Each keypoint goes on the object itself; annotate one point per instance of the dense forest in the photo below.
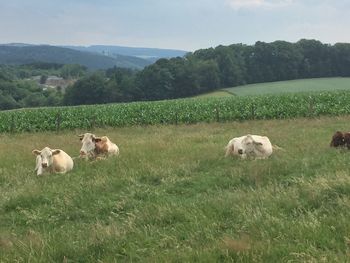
(203, 71)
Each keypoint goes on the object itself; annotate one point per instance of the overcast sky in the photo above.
(178, 24)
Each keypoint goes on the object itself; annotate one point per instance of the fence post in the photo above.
(311, 107)
(58, 122)
(12, 127)
(253, 111)
(176, 118)
(217, 114)
(141, 119)
(93, 122)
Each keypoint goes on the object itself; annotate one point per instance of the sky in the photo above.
(177, 24)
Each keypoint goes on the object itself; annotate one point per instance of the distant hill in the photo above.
(151, 54)
(15, 54)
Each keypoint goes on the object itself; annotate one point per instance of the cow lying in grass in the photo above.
(252, 146)
(96, 147)
(56, 161)
(341, 139)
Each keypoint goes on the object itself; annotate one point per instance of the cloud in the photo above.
(253, 4)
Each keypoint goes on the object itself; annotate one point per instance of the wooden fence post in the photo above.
(141, 119)
(93, 122)
(253, 111)
(12, 127)
(311, 107)
(217, 114)
(58, 122)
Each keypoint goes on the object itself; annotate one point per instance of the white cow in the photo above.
(94, 147)
(52, 161)
(254, 146)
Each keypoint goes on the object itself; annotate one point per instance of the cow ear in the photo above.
(81, 136)
(36, 152)
(54, 152)
(257, 143)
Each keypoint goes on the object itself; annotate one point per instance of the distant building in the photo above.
(54, 82)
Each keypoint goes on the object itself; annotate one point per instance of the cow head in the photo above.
(88, 141)
(45, 156)
(101, 146)
(249, 145)
(337, 139)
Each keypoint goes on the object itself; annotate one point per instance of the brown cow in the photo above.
(95, 147)
(340, 139)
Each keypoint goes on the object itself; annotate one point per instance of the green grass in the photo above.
(289, 86)
(215, 94)
(300, 85)
(171, 196)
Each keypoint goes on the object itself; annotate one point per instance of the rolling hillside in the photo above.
(302, 85)
(25, 54)
(290, 86)
(151, 54)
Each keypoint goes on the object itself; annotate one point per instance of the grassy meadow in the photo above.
(291, 86)
(288, 86)
(171, 196)
(215, 94)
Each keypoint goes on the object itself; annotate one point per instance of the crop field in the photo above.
(171, 196)
(292, 86)
(215, 94)
(183, 111)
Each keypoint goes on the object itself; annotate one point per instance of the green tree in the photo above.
(7, 102)
(34, 100)
(43, 79)
(88, 90)
(156, 81)
(207, 72)
(69, 71)
(318, 59)
(342, 59)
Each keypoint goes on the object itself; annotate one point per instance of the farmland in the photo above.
(171, 196)
(185, 111)
(215, 94)
(292, 86)
(280, 87)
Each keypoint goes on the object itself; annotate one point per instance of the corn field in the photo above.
(182, 111)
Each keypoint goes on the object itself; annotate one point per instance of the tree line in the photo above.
(209, 69)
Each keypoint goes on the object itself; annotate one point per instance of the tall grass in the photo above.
(171, 196)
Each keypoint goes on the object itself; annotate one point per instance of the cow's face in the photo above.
(46, 156)
(249, 145)
(88, 141)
